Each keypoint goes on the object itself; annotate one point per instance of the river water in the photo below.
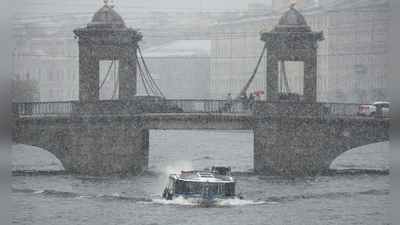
(357, 192)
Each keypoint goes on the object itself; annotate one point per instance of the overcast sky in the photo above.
(21, 7)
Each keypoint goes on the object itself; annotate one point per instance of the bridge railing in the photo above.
(209, 106)
(42, 108)
(202, 106)
(342, 109)
(222, 106)
(306, 108)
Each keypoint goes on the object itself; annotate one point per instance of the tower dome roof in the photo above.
(292, 21)
(106, 17)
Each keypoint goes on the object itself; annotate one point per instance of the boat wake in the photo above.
(207, 202)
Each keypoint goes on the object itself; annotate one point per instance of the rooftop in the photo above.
(180, 48)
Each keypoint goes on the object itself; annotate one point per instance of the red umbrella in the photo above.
(258, 92)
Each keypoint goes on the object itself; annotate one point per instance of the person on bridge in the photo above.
(229, 97)
(251, 102)
(227, 106)
(244, 101)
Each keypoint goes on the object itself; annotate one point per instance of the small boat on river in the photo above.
(217, 183)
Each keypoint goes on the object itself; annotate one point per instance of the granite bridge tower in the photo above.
(292, 40)
(106, 38)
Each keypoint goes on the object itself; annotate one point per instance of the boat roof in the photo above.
(202, 176)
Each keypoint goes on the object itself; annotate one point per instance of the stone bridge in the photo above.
(289, 138)
(93, 136)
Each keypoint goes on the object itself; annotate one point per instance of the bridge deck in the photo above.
(185, 106)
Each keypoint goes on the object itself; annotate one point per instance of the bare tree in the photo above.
(24, 89)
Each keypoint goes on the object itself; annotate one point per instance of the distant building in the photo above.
(359, 51)
(352, 58)
(256, 8)
(181, 69)
(50, 59)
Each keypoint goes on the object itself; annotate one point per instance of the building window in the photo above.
(51, 94)
(51, 77)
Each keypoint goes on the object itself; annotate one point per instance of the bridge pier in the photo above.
(287, 146)
(307, 145)
(89, 144)
(108, 147)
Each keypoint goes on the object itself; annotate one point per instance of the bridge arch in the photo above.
(364, 157)
(33, 158)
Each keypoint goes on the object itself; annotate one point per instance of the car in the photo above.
(370, 109)
(156, 104)
(151, 98)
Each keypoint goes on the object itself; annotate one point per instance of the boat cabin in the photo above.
(214, 183)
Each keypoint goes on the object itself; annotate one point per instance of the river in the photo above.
(357, 192)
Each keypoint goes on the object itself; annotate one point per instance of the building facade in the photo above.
(359, 52)
(352, 58)
(53, 62)
(181, 69)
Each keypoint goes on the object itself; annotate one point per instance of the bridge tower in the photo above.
(106, 38)
(288, 144)
(292, 40)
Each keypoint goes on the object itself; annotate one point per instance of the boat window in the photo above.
(184, 187)
(211, 187)
(230, 189)
(180, 187)
(194, 187)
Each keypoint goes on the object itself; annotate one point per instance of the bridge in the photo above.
(112, 136)
(301, 139)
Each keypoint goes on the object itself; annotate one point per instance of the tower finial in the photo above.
(292, 4)
(112, 4)
(105, 1)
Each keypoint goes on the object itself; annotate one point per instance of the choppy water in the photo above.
(359, 197)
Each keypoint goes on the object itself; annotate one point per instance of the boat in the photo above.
(214, 183)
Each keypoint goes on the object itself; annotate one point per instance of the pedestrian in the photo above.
(229, 97)
(251, 97)
(251, 101)
(244, 101)
(257, 97)
(228, 104)
(244, 97)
